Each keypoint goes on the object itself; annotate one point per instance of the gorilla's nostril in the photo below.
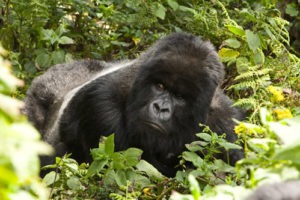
(156, 108)
(165, 110)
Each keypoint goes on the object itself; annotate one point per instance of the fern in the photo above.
(246, 103)
(253, 79)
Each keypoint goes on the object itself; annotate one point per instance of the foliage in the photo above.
(258, 41)
(271, 158)
(119, 174)
(20, 144)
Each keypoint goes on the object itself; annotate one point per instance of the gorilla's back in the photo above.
(54, 84)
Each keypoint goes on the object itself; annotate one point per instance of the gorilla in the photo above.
(154, 102)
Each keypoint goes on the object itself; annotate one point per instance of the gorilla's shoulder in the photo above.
(53, 85)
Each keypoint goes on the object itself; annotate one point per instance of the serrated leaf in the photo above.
(253, 40)
(160, 12)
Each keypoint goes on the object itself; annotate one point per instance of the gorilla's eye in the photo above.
(179, 96)
(160, 87)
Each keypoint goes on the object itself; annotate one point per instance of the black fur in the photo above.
(174, 84)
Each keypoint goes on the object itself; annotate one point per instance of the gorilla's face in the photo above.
(166, 104)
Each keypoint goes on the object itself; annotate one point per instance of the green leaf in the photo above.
(227, 54)
(43, 60)
(233, 43)
(196, 146)
(110, 145)
(228, 145)
(74, 183)
(194, 187)
(120, 178)
(173, 4)
(258, 57)
(140, 181)
(58, 56)
(253, 40)
(49, 35)
(160, 11)
(204, 136)
(68, 57)
(187, 9)
(291, 153)
(132, 156)
(291, 9)
(61, 30)
(65, 40)
(151, 171)
(287, 130)
(192, 157)
(118, 161)
(237, 30)
(96, 167)
(242, 64)
(51, 178)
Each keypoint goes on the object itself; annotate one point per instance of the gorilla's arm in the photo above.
(219, 120)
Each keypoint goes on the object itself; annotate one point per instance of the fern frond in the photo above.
(253, 73)
(246, 103)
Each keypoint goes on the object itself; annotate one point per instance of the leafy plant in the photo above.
(20, 144)
(120, 174)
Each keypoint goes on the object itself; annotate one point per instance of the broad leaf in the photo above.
(233, 43)
(110, 145)
(253, 40)
(160, 12)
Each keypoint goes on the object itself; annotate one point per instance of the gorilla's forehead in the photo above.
(178, 66)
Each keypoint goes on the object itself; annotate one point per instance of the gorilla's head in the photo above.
(172, 93)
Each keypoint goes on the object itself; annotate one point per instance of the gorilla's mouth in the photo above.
(156, 127)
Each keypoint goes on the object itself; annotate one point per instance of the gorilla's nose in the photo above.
(162, 110)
